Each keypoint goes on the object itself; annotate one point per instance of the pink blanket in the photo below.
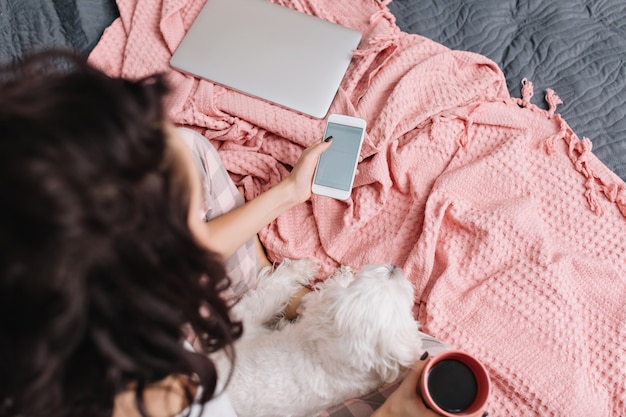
(510, 228)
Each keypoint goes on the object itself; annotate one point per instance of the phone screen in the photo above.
(336, 165)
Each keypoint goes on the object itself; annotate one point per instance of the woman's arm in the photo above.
(226, 233)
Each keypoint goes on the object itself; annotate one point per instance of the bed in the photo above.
(576, 48)
(495, 165)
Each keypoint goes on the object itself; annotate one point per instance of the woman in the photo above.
(107, 259)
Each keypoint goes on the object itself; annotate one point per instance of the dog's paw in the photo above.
(342, 277)
(307, 269)
(295, 273)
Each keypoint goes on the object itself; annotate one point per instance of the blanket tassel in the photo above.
(527, 92)
(553, 101)
(579, 153)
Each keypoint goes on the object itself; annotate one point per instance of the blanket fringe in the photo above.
(376, 44)
(579, 152)
(527, 92)
(383, 12)
(553, 101)
(450, 115)
(383, 47)
(551, 98)
(549, 145)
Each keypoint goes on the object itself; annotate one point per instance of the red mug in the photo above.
(455, 384)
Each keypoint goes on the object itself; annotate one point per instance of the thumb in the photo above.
(416, 371)
(316, 149)
(313, 152)
(322, 145)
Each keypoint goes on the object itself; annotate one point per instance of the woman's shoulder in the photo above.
(220, 406)
(196, 142)
(168, 398)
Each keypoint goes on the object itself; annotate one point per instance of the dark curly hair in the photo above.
(99, 271)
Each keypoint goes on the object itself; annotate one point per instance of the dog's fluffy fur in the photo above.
(356, 331)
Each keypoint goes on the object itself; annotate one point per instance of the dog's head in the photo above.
(369, 319)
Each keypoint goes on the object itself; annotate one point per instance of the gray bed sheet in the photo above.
(30, 25)
(575, 47)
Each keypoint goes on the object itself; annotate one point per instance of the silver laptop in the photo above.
(268, 51)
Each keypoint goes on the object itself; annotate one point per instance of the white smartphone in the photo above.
(336, 168)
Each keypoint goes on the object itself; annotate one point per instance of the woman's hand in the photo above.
(300, 179)
(404, 401)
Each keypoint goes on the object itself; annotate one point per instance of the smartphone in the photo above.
(334, 174)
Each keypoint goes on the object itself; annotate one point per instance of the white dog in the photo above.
(356, 331)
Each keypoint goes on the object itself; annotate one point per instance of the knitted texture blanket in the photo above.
(510, 228)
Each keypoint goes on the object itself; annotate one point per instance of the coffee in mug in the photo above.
(455, 384)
